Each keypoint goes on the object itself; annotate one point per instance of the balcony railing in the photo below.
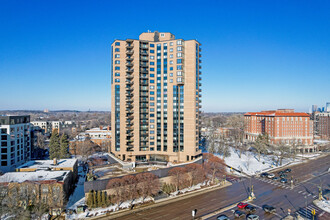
(129, 52)
(129, 46)
(144, 53)
(129, 58)
(129, 63)
(129, 70)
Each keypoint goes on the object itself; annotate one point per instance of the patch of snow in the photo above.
(112, 208)
(249, 163)
(323, 204)
(78, 196)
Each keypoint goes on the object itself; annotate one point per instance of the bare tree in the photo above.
(148, 184)
(215, 167)
(195, 173)
(41, 140)
(116, 185)
(178, 175)
(280, 151)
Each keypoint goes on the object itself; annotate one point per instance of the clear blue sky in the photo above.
(256, 54)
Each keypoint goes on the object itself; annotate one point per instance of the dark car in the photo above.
(250, 208)
(238, 214)
(264, 175)
(283, 176)
(276, 178)
(222, 217)
(269, 209)
(287, 170)
(283, 180)
(280, 173)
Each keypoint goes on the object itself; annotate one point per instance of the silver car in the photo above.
(252, 217)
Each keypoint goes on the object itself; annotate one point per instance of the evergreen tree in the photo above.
(64, 143)
(103, 199)
(90, 199)
(99, 199)
(94, 199)
(54, 145)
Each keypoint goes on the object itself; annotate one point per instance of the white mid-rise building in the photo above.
(15, 141)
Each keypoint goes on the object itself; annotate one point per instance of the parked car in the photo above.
(252, 217)
(271, 175)
(269, 209)
(238, 214)
(250, 208)
(242, 205)
(264, 174)
(283, 176)
(287, 170)
(283, 180)
(276, 178)
(280, 173)
(222, 217)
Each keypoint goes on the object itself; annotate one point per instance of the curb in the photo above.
(161, 202)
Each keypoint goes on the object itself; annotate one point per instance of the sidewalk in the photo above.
(162, 202)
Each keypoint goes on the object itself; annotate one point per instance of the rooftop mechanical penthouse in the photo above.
(156, 98)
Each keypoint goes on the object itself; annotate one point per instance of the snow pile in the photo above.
(102, 211)
(323, 204)
(191, 188)
(249, 163)
(308, 155)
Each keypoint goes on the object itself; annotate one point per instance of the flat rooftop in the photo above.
(40, 175)
(48, 164)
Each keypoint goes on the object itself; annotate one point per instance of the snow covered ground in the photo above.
(78, 196)
(324, 204)
(101, 211)
(189, 189)
(250, 164)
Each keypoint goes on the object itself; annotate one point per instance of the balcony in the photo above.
(144, 106)
(130, 70)
(129, 40)
(129, 89)
(199, 84)
(144, 53)
(144, 94)
(129, 82)
(143, 64)
(129, 52)
(144, 46)
(130, 134)
(129, 46)
(144, 83)
(129, 63)
(129, 148)
(144, 71)
(200, 49)
(144, 58)
(200, 55)
(129, 76)
(144, 110)
(129, 58)
(129, 99)
(199, 78)
(144, 76)
(200, 72)
(200, 67)
(200, 61)
(144, 139)
(144, 100)
(144, 88)
(130, 111)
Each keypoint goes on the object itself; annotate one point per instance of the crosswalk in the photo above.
(274, 182)
(306, 212)
(234, 179)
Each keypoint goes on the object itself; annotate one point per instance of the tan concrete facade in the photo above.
(155, 98)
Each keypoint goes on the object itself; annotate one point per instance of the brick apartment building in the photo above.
(283, 126)
(322, 125)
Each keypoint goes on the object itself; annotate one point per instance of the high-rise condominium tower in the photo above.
(156, 95)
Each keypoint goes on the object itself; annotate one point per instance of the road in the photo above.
(281, 196)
